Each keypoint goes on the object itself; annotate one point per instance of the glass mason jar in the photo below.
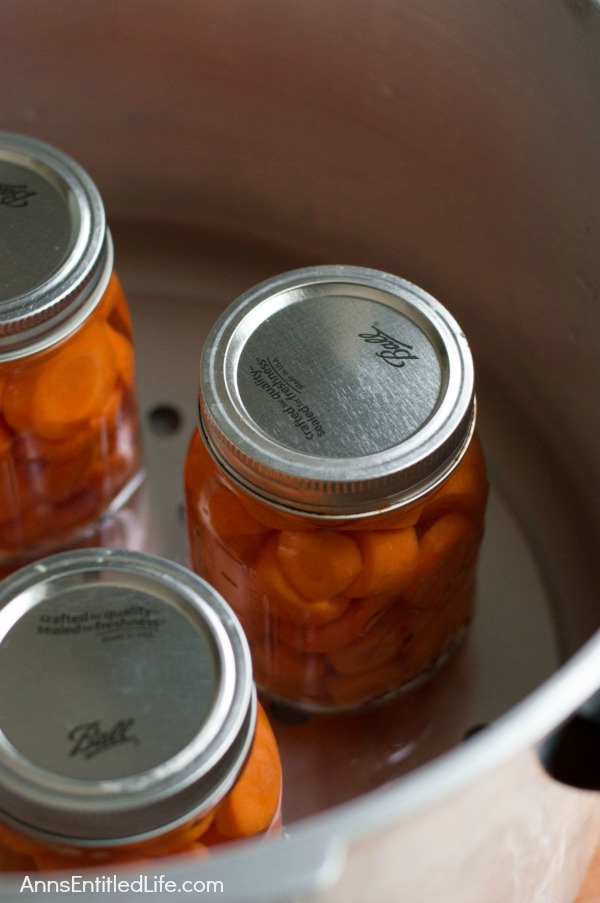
(69, 435)
(335, 488)
(143, 736)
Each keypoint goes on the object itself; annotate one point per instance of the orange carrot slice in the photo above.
(114, 306)
(74, 385)
(318, 564)
(62, 479)
(465, 490)
(198, 466)
(31, 447)
(225, 514)
(364, 686)
(228, 575)
(253, 803)
(379, 645)
(6, 438)
(17, 400)
(440, 633)
(124, 357)
(447, 554)
(222, 513)
(272, 592)
(288, 671)
(389, 562)
(358, 618)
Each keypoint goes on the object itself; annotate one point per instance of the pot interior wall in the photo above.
(455, 144)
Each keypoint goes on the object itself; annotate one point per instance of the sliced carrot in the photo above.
(226, 573)
(287, 671)
(114, 306)
(272, 592)
(19, 486)
(47, 520)
(31, 447)
(124, 356)
(381, 643)
(217, 509)
(439, 633)
(384, 671)
(230, 577)
(222, 512)
(62, 479)
(109, 474)
(197, 468)
(225, 514)
(19, 532)
(253, 803)
(318, 564)
(7, 437)
(74, 385)
(465, 490)
(111, 431)
(389, 561)
(447, 553)
(440, 599)
(17, 400)
(43, 499)
(358, 618)
(365, 686)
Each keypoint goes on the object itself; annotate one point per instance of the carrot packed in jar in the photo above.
(69, 434)
(143, 736)
(335, 487)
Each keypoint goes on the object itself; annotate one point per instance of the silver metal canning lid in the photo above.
(55, 254)
(127, 701)
(337, 390)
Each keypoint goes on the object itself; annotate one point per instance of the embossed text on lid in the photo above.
(337, 390)
(135, 679)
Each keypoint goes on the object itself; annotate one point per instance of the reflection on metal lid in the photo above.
(128, 701)
(337, 390)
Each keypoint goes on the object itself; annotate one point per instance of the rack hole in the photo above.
(164, 420)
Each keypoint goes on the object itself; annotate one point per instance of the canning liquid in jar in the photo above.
(69, 435)
(335, 488)
(143, 735)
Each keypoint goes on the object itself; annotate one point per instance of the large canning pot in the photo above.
(457, 145)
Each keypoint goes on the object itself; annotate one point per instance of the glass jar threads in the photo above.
(69, 437)
(335, 489)
(142, 735)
